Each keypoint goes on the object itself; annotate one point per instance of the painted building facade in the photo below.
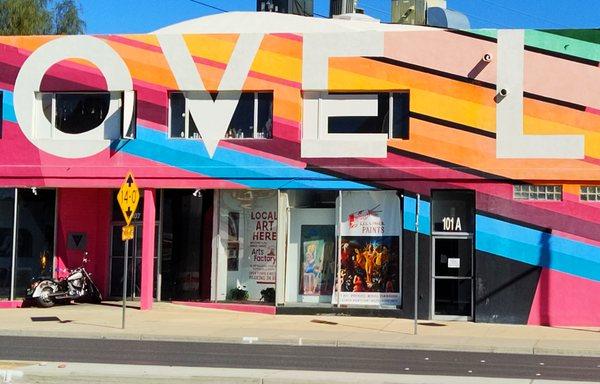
(281, 159)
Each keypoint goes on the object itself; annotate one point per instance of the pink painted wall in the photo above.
(88, 211)
(565, 300)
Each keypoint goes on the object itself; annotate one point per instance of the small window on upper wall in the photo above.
(537, 192)
(252, 118)
(590, 193)
(392, 121)
(62, 115)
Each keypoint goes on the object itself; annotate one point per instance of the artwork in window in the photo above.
(252, 118)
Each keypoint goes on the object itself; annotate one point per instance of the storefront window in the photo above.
(369, 258)
(7, 201)
(366, 260)
(310, 264)
(248, 247)
(35, 236)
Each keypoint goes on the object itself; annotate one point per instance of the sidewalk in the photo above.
(182, 323)
(50, 373)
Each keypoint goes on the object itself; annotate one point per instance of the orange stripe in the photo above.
(479, 152)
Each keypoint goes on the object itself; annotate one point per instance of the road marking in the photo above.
(249, 339)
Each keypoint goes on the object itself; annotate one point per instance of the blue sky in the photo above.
(142, 16)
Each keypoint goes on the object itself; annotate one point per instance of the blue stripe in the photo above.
(236, 166)
(8, 109)
(537, 248)
(410, 204)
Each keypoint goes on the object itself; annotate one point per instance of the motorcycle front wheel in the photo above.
(45, 300)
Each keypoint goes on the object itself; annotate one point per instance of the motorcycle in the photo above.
(78, 285)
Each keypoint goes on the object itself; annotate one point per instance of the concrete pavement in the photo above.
(181, 323)
(51, 373)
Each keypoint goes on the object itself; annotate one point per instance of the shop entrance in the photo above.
(452, 283)
(453, 230)
(310, 268)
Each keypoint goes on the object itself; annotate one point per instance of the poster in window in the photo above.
(369, 256)
(262, 243)
(312, 267)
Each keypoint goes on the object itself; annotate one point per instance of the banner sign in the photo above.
(369, 255)
(262, 243)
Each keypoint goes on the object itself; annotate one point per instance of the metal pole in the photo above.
(125, 260)
(15, 240)
(417, 263)
(338, 260)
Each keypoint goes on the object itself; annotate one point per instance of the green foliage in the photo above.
(238, 294)
(40, 17)
(268, 295)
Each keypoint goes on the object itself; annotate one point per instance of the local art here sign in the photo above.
(262, 243)
(369, 272)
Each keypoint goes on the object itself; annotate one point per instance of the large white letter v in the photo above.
(211, 117)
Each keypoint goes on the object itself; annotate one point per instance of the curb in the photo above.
(409, 345)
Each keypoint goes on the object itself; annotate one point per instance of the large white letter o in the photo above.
(30, 76)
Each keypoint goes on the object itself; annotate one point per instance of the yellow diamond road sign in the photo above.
(128, 197)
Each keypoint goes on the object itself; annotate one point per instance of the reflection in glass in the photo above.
(453, 297)
(177, 101)
(7, 201)
(453, 257)
(35, 236)
(81, 112)
(265, 115)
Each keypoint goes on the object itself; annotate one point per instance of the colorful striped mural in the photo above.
(455, 125)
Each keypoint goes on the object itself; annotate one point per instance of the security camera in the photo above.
(487, 57)
(197, 193)
(34, 191)
(503, 92)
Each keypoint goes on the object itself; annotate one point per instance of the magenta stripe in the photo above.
(290, 36)
(274, 79)
(132, 43)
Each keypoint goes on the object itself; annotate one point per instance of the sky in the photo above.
(143, 16)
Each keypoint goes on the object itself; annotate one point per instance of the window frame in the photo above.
(51, 131)
(534, 192)
(324, 118)
(588, 193)
(188, 117)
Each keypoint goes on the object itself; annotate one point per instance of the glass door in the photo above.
(452, 282)
(134, 262)
(311, 255)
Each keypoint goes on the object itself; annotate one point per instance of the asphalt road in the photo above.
(255, 356)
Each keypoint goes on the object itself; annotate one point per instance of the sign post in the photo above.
(128, 198)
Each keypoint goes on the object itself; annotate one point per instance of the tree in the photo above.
(40, 17)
